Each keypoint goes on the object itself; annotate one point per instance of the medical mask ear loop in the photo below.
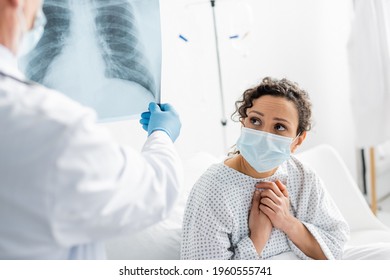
(22, 22)
(30, 37)
(296, 137)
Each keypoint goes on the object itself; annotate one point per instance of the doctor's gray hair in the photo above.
(278, 88)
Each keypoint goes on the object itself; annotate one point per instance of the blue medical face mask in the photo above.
(30, 38)
(262, 150)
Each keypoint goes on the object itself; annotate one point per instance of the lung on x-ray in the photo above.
(106, 54)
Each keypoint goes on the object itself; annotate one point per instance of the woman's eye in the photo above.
(255, 121)
(280, 127)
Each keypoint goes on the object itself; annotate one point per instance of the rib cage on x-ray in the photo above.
(116, 34)
(49, 47)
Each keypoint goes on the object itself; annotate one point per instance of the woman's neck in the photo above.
(241, 165)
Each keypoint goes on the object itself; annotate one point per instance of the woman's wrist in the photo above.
(291, 226)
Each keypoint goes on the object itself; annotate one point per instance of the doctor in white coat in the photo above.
(65, 184)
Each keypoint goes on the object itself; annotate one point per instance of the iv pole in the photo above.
(222, 97)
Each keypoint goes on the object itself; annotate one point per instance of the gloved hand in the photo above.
(164, 118)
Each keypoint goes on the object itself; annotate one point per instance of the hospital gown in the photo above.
(215, 222)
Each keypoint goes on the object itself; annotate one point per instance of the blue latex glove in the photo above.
(164, 118)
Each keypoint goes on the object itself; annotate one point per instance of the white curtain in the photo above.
(369, 57)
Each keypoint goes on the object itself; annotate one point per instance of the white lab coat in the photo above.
(65, 184)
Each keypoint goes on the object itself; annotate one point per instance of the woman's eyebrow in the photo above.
(281, 120)
(257, 112)
(276, 119)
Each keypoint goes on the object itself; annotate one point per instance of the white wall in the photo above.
(302, 40)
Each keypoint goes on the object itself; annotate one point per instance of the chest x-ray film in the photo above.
(105, 54)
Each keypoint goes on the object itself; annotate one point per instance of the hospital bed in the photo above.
(370, 238)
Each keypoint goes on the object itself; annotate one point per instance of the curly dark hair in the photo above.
(278, 88)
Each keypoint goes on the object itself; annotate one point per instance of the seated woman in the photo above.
(262, 202)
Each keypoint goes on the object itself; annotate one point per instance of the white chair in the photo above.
(162, 241)
(365, 227)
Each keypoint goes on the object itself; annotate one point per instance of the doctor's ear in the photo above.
(298, 141)
(16, 3)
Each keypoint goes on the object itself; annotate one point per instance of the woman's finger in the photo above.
(270, 186)
(282, 188)
(271, 195)
(256, 201)
(269, 203)
(266, 210)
